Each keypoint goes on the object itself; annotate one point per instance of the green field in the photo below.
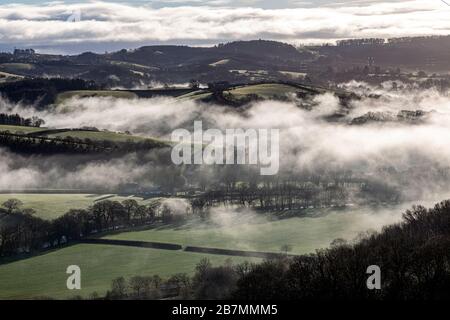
(133, 65)
(80, 134)
(195, 95)
(94, 93)
(16, 67)
(20, 129)
(45, 275)
(50, 206)
(305, 234)
(97, 136)
(265, 91)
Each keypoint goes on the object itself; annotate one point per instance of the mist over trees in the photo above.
(22, 232)
(17, 120)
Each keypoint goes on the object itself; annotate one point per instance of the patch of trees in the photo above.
(149, 287)
(22, 232)
(32, 144)
(29, 144)
(17, 120)
(281, 195)
(208, 282)
(417, 52)
(42, 92)
(361, 42)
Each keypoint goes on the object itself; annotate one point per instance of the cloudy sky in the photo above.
(76, 25)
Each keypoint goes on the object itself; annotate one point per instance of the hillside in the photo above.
(49, 141)
(238, 62)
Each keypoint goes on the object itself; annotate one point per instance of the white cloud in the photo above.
(102, 22)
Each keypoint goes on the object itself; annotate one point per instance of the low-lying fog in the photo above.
(416, 155)
(412, 157)
(245, 229)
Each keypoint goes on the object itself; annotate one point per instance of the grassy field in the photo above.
(294, 75)
(133, 65)
(6, 76)
(265, 91)
(94, 93)
(81, 134)
(45, 275)
(97, 136)
(50, 206)
(20, 129)
(195, 96)
(305, 234)
(16, 67)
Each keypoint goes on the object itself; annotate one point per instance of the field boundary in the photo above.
(194, 249)
(231, 252)
(130, 243)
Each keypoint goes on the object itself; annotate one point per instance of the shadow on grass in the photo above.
(24, 256)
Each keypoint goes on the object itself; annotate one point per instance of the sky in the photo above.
(76, 26)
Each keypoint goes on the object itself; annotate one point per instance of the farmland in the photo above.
(315, 230)
(16, 67)
(262, 91)
(96, 135)
(92, 135)
(45, 274)
(20, 129)
(50, 206)
(94, 93)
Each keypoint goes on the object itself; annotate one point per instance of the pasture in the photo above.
(265, 91)
(45, 274)
(94, 93)
(97, 136)
(20, 129)
(254, 232)
(16, 68)
(50, 206)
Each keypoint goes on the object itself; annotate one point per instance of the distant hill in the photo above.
(427, 53)
(237, 62)
(164, 64)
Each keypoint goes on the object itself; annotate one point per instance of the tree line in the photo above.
(31, 144)
(22, 232)
(281, 195)
(17, 120)
(42, 92)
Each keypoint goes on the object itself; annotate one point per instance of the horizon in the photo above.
(76, 26)
(212, 45)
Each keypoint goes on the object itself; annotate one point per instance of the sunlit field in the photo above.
(45, 274)
(257, 232)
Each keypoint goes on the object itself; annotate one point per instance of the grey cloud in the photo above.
(106, 24)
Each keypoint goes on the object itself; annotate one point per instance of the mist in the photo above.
(417, 153)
